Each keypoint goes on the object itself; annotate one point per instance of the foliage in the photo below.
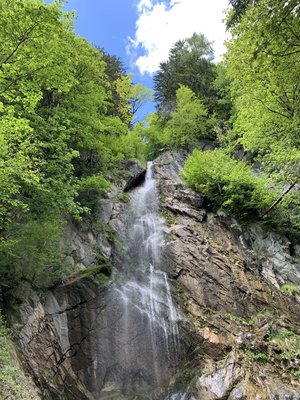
(289, 343)
(168, 217)
(187, 125)
(263, 66)
(59, 135)
(127, 97)
(289, 288)
(256, 356)
(133, 145)
(223, 103)
(90, 189)
(188, 122)
(238, 9)
(151, 134)
(230, 184)
(138, 96)
(132, 97)
(189, 64)
(32, 252)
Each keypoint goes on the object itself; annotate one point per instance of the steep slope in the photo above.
(221, 327)
(246, 331)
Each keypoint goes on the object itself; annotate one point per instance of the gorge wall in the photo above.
(204, 287)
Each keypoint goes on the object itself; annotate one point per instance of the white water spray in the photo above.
(146, 291)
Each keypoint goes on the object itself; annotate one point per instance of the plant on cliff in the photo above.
(32, 252)
(259, 77)
(230, 184)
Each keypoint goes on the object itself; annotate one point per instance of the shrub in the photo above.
(289, 288)
(32, 253)
(90, 188)
(230, 184)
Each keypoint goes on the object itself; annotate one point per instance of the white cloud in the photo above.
(144, 5)
(161, 23)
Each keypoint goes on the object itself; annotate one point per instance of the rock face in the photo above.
(137, 175)
(89, 339)
(229, 279)
(208, 320)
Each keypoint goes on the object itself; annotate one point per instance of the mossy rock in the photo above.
(100, 273)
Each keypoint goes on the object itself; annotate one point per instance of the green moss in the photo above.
(107, 230)
(289, 288)
(256, 356)
(169, 217)
(101, 273)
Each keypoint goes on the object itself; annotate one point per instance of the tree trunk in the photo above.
(278, 200)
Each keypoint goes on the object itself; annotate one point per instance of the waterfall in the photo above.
(134, 341)
(145, 291)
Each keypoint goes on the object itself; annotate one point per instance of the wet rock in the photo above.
(223, 269)
(137, 175)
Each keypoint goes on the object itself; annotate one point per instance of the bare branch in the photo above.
(279, 200)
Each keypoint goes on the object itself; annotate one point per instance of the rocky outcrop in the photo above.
(278, 257)
(230, 279)
(239, 333)
(58, 330)
(137, 175)
(236, 379)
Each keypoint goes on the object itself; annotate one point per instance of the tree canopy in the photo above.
(263, 60)
(64, 124)
(262, 67)
(189, 64)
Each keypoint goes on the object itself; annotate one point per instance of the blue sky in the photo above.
(105, 23)
(141, 32)
(109, 24)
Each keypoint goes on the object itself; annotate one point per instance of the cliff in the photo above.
(238, 332)
(246, 331)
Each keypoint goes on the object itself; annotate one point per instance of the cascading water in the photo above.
(146, 293)
(136, 336)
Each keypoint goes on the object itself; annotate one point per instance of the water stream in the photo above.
(137, 336)
(145, 290)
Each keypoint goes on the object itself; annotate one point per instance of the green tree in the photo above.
(151, 136)
(263, 64)
(223, 103)
(237, 10)
(189, 64)
(35, 42)
(58, 135)
(139, 96)
(188, 124)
